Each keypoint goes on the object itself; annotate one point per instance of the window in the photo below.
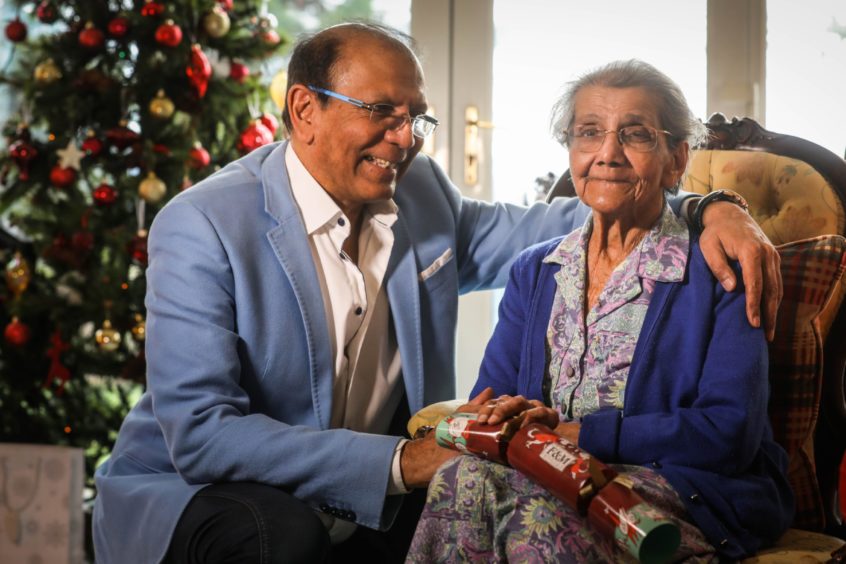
(806, 70)
(539, 46)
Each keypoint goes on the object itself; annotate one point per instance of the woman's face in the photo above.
(617, 180)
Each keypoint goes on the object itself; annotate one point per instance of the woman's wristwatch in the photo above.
(710, 198)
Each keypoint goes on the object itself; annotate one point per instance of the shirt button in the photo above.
(342, 255)
(341, 221)
(358, 310)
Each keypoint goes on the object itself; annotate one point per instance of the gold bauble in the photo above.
(139, 330)
(161, 106)
(107, 337)
(46, 72)
(18, 274)
(152, 189)
(278, 89)
(216, 23)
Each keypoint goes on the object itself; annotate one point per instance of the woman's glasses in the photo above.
(588, 139)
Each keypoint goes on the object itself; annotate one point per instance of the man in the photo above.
(298, 301)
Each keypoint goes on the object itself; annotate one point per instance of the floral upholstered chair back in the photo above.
(797, 193)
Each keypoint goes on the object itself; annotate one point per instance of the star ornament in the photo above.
(71, 156)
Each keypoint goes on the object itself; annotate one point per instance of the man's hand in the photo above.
(730, 231)
(420, 458)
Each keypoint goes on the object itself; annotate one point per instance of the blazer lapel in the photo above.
(404, 298)
(290, 244)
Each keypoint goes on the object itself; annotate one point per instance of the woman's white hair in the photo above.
(673, 112)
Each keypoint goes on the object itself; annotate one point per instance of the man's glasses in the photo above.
(385, 116)
(588, 138)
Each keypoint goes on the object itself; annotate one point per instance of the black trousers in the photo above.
(256, 523)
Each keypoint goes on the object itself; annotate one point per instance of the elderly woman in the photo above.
(648, 362)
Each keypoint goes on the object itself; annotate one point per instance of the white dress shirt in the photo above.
(367, 388)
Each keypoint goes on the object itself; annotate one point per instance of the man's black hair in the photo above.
(314, 56)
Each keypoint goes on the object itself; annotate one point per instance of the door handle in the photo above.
(472, 144)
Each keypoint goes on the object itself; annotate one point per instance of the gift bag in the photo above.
(41, 504)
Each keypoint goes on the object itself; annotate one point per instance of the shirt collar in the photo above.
(661, 256)
(317, 207)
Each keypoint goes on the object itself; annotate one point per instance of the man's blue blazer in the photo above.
(239, 363)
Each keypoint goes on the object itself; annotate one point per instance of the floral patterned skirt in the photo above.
(481, 511)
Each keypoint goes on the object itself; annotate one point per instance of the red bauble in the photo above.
(198, 157)
(62, 177)
(16, 30)
(199, 70)
(254, 137)
(22, 152)
(92, 146)
(17, 333)
(118, 26)
(226, 4)
(122, 137)
(169, 34)
(270, 37)
(47, 12)
(238, 71)
(137, 248)
(91, 37)
(104, 195)
(152, 9)
(270, 122)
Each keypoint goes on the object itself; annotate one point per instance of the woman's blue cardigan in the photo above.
(695, 400)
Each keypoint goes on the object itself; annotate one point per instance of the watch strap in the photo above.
(716, 196)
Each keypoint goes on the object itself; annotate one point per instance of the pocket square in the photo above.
(436, 266)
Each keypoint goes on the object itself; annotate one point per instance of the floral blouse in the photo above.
(589, 358)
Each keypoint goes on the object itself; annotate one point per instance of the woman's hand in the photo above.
(496, 410)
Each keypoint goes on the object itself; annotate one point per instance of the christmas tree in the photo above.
(121, 105)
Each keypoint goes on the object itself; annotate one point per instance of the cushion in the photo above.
(810, 271)
(788, 198)
(431, 414)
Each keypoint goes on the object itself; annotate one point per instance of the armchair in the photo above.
(796, 191)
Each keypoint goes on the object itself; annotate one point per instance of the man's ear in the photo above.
(303, 112)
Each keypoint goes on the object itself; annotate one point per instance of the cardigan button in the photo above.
(694, 498)
(656, 464)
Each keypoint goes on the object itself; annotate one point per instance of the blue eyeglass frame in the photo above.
(422, 125)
